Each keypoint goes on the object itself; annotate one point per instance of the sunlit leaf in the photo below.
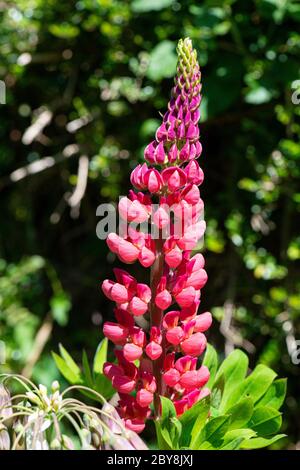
(100, 356)
(162, 62)
(260, 442)
(275, 395)
(140, 6)
(265, 421)
(210, 360)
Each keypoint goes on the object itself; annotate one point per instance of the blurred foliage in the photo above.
(24, 327)
(89, 78)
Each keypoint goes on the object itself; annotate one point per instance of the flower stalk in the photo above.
(166, 200)
(156, 317)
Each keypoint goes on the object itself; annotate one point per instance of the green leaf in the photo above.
(69, 374)
(244, 433)
(216, 396)
(234, 444)
(193, 420)
(260, 442)
(169, 426)
(100, 357)
(60, 306)
(142, 6)
(167, 409)
(162, 63)
(234, 438)
(275, 395)
(86, 370)
(212, 434)
(232, 370)
(162, 444)
(240, 413)
(257, 383)
(69, 360)
(199, 423)
(104, 386)
(210, 360)
(265, 421)
(254, 386)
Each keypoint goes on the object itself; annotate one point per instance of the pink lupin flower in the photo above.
(194, 345)
(203, 322)
(123, 377)
(153, 180)
(161, 217)
(132, 210)
(174, 178)
(153, 348)
(187, 401)
(137, 177)
(193, 172)
(163, 297)
(118, 334)
(115, 291)
(147, 365)
(173, 254)
(133, 350)
(133, 414)
(175, 335)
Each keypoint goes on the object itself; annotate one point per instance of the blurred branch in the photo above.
(44, 117)
(39, 165)
(75, 199)
(289, 332)
(76, 124)
(233, 338)
(41, 339)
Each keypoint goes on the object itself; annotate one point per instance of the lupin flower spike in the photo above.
(163, 360)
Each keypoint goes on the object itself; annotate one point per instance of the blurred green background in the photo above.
(85, 83)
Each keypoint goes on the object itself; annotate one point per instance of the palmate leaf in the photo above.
(168, 426)
(260, 442)
(244, 433)
(254, 386)
(232, 371)
(240, 413)
(193, 421)
(265, 421)
(210, 360)
(234, 444)
(211, 436)
(275, 394)
(162, 443)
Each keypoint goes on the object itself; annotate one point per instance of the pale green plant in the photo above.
(42, 419)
